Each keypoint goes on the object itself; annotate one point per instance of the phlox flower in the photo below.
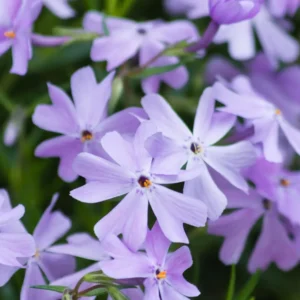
(274, 245)
(146, 39)
(162, 271)
(277, 44)
(82, 123)
(15, 243)
(131, 173)
(175, 145)
(269, 120)
(279, 184)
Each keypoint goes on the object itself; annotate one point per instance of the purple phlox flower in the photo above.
(284, 7)
(60, 8)
(132, 174)
(81, 124)
(51, 227)
(268, 119)
(277, 44)
(163, 271)
(274, 243)
(279, 184)
(14, 127)
(192, 8)
(15, 243)
(81, 245)
(233, 11)
(174, 145)
(145, 39)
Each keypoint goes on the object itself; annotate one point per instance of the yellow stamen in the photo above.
(161, 275)
(196, 148)
(277, 112)
(284, 182)
(37, 254)
(145, 182)
(10, 34)
(86, 136)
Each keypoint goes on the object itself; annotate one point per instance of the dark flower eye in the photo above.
(144, 182)
(86, 136)
(196, 148)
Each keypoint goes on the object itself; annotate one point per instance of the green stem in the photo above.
(231, 287)
(6, 103)
(82, 293)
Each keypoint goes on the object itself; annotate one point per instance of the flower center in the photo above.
(196, 148)
(10, 34)
(86, 136)
(37, 254)
(161, 274)
(142, 31)
(277, 112)
(144, 182)
(284, 182)
(267, 204)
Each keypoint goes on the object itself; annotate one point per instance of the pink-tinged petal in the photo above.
(271, 144)
(204, 113)
(169, 156)
(33, 276)
(151, 289)
(21, 56)
(88, 95)
(169, 292)
(182, 286)
(125, 121)
(246, 106)
(134, 266)
(12, 215)
(81, 245)
(206, 190)
(229, 161)
(59, 117)
(220, 125)
(48, 41)
(157, 245)
(113, 246)
(291, 133)
(15, 245)
(273, 245)
(51, 227)
(235, 227)
(172, 209)
(56, 265)
(64, 147)
(284, 48)
(119, 149)
(142, 157)
(6, 273)
(164, 117)
(60, 8)
(108, 49)
(179, 261)
(123, 219)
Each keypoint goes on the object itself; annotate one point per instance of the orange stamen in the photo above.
(284, 182)
(161, 275)
(10, 34)
(86, 136)
(277, 112)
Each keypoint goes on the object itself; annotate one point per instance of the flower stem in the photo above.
(231, 288)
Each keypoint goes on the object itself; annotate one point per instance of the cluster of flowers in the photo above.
(135, 152)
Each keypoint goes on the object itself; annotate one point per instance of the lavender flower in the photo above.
(275, 41)
(233, 11)
(82, 123)
(148, 39)
(162, 271)
(51, 227)
(176, 144)
(273, 244)
(15, 243)
(132, 174)
(268, 120)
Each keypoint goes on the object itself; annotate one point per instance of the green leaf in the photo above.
(249, 287)
(54, 288)
(96, 292)
(178, 49)
(231, 288)
(115, 293)
(98, 277)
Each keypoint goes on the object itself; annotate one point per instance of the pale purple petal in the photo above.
(61, 8)
(182, 286)
(6, 273)
(48, 41)
(168, 292)
(151, 289)
(21, 55)
(113, 246)
(12, 215)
